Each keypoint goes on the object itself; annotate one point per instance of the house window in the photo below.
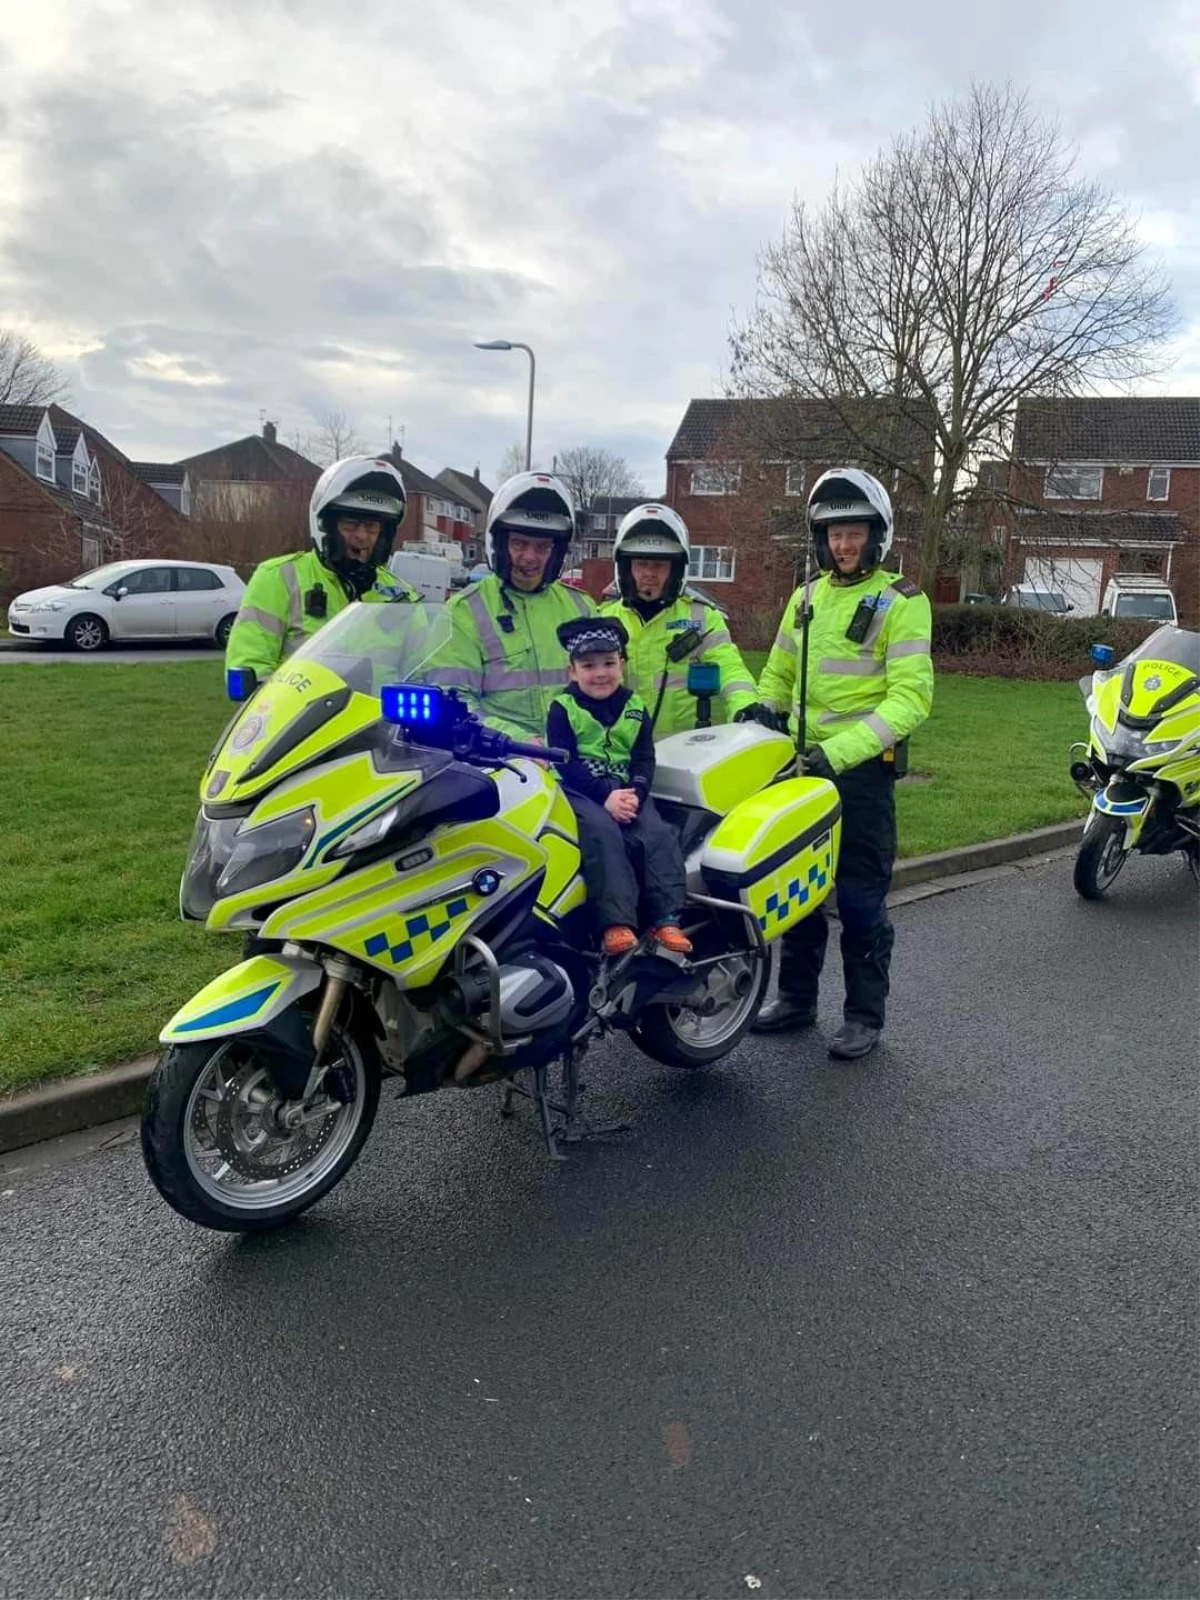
(716, 477)
(45, 462)
(93, 488)
(185, 498)
(711, 563)
(79, 478)
(1158, 484)
(89, 552)
(1074, 483)
(794, 483)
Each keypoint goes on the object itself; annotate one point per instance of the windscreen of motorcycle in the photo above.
(326, 692)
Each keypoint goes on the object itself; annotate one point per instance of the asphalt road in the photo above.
(128, 655)
(922, 1326)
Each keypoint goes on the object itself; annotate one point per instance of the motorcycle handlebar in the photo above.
(534, 752)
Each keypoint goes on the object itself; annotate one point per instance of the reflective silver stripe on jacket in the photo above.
(489, 634)
(908, 647)
(295, 622)
(886, 734)
(864, 667)
(785, 642)
(265, 619)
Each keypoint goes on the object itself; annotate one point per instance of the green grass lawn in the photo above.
(98, 791)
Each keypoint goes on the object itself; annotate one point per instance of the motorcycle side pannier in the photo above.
(777, 852)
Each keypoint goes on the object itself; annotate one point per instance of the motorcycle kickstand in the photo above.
(541, 1098)
(573, 1130)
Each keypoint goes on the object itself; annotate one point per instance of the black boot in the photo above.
(854, 1039)
(784, 1016)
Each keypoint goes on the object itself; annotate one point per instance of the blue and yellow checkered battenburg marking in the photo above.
(798, 893)
(415, 928)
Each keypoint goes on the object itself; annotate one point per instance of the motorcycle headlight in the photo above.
(270, 851)
(208, 854)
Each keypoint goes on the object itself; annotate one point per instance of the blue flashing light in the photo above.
(240, 683)
(409, 705)
(1103, 655)
(704, 677)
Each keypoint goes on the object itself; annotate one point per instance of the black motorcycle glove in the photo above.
(816, 763)
(766, 716)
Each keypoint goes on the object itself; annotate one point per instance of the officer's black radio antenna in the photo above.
(805, 619)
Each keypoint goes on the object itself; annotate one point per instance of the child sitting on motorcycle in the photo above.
(627, 849)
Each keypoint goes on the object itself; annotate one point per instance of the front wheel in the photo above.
(217, 1144)
(223, 630)
(87, 633)
(707, 1028)
(1101, 857)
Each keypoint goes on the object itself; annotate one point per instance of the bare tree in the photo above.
(27, 377)
(512, 462)
(965, 267)
(335, 437)
(593, 474)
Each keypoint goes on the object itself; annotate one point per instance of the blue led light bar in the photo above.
(240, 683)
(410, 705)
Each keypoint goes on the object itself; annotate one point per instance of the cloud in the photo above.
(207, 210)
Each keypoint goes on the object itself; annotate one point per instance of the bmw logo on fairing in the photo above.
(487, 881)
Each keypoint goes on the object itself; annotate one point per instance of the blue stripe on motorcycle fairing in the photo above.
(235, 1011)
(1121, 808)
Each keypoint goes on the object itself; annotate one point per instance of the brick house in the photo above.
(739, 471)
(70, 500)
(436, 515)
(470, 490)
(1099, 486)
(249, 478)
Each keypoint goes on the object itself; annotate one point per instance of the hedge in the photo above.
(1010, 642)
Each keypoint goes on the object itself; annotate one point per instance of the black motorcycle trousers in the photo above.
(626, 862)
(864, 876)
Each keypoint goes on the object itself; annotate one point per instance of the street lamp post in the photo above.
(507, 344)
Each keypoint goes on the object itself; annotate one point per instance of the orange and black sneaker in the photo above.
(620, 941)
(674, 939)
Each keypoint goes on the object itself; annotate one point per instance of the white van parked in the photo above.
(1136, 594)
(429, 575)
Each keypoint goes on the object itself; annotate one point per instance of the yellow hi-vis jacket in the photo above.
(648, 661)
(862, 698)
(273, 617)
(504, 657)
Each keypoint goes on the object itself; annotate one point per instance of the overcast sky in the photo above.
(219, 208)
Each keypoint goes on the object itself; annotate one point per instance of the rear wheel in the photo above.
(1101, 857)
(87, 632)
(218, 1144)
(224, 629)
(710, 1026)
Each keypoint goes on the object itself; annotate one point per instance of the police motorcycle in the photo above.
(410, 883)
(1141, 764)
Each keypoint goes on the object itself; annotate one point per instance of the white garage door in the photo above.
(1077, 578)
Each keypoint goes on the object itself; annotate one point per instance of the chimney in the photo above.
(477, 472)
(269, 432)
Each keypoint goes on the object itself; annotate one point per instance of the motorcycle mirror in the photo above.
(240, 682)
(1103, 655)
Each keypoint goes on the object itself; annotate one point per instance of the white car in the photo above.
(132, 600)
